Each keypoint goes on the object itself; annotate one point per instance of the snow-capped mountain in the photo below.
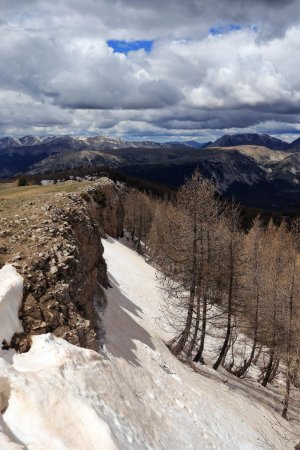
(8, 142)
(20, 155)
(31, 140)
(75, 142)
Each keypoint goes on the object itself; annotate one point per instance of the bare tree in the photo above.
(186, 256)
(254, 289)
(292, 316)
(232, 273)
(139, 210)
(274, 297)
(216, 278)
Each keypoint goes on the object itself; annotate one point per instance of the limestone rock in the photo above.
(56, 246)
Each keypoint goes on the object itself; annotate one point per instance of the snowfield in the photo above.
(134, 394)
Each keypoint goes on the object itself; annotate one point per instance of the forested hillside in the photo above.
(232, 297)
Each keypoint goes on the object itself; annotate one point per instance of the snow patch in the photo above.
(11, 294)
(187, 410)
(54, 398)
(135, 394)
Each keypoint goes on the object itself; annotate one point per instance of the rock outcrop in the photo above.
(56, 246)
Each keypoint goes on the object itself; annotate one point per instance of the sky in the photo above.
(159, 70)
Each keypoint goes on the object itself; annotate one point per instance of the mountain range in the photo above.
(256, 169)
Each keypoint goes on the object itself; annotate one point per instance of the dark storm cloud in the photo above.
(58, 74)
(189, 18)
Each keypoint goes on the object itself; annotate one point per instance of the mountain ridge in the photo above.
(233, 167)
(227, 140)
(250, 139)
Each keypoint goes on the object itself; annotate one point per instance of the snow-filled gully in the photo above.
(133, 395)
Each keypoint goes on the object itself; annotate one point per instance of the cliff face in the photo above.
(56, 246)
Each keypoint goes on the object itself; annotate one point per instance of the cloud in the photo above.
(131, 19)
(175, 68)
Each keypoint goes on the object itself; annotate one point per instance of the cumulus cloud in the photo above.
(59, 75)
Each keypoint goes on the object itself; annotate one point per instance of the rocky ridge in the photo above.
(55, 244)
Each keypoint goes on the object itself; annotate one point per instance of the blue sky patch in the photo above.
(222, 29)
(129, 46)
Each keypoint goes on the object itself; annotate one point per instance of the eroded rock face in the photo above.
(57, 248)
(106, 206)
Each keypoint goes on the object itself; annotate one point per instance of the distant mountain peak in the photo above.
(294, 146)
(250, 139)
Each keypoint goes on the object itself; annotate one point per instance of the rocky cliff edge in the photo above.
(54, 241)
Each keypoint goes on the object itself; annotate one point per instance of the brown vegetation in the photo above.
(220, 280)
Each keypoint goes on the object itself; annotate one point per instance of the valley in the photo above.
(242, 166)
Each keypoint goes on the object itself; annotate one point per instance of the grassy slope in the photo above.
(11, 191)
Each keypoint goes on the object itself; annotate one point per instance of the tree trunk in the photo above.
(267, 375)
(232, 341)
(269, 369)
(177, 349)
(274, 369)
(199, 354)
(289, 344)
(256, 357)
(196, 329)
(189, 319)
(132, 234)
(240, 372)
(294, 374)
(287, 391)
(224, 348)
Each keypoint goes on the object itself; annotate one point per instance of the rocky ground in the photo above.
(54, 241)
